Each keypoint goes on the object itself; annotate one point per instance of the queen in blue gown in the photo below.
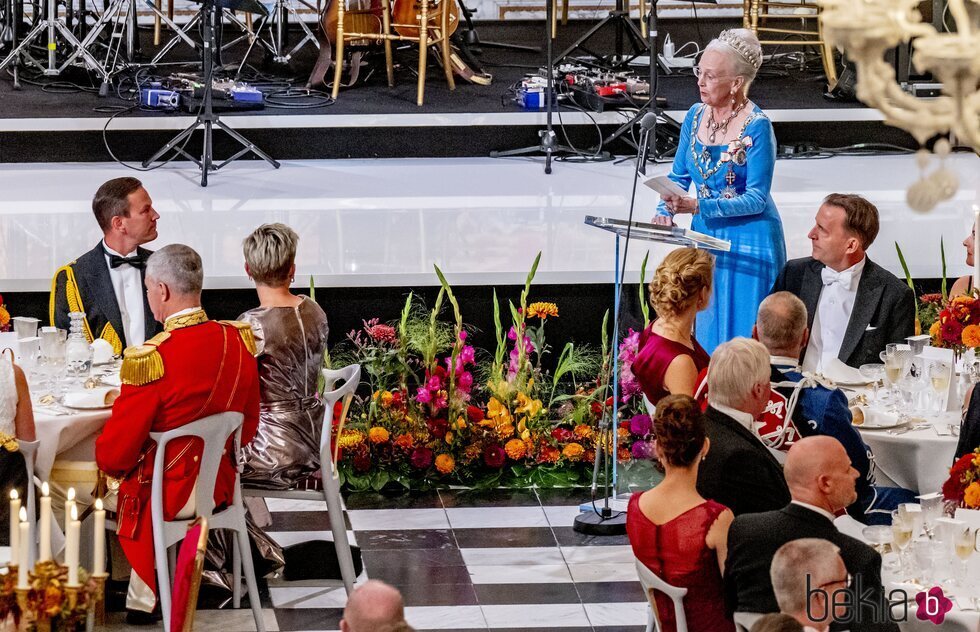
(731, 181)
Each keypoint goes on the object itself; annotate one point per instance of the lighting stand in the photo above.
(549, 142)
(13, 19)
(54, 27)
(207, 118)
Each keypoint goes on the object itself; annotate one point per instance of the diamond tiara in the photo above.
(740, 47)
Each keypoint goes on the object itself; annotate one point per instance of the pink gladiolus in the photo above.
(424, 396)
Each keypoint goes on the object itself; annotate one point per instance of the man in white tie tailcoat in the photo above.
(854, 306)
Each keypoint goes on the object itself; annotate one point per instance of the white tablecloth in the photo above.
(66, 436)
(917, 460)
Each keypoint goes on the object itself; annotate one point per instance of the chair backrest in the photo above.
(745, 620)
(29, 450)
(351, 376)
(651, 583)
(214, 432)
(187, 576)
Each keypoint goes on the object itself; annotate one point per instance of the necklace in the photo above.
(705, 156)
(714, 126)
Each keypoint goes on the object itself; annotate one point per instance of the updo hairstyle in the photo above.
(679, 279)
(679, 429)
(743, 48)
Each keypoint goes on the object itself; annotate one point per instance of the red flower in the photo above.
(596, 408)
(421, 458)
(953, 488)
(437, 427)
(494, 456)
(362, 462)
(475, 414)
(338, 409)
(951, 331)
(562, 434)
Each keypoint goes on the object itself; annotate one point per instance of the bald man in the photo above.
(821, 483)
(375, 607)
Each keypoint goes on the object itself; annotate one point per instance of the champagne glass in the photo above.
(964, 544)
(939, 373)
(874, 373)
(893, 373)
(877, 536)
(901, 536)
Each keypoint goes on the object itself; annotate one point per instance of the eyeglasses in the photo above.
(847, 580)
(710, 77)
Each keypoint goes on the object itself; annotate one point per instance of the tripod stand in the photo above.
(207, 118)
(549, 142)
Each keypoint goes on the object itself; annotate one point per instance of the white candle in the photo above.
(71, 546)
(14, 527)
(98, 557)
(44, 540)
(69, 503)
(976, 246)
(25, 535)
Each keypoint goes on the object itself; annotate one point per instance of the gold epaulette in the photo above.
(143, 364)
(245, 331)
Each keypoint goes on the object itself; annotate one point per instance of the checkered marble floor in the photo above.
(464, 561)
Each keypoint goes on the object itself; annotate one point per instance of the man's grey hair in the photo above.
(736, 366)
(793, 563)
(270, 252)
(178, 267)
(781, 321)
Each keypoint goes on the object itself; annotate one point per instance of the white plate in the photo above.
(99, 407)
(879, 425)
(852, 383)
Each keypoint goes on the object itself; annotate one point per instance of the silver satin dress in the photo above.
(290, 342)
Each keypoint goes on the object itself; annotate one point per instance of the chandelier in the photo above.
(866, 30)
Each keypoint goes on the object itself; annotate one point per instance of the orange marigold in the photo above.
(350, 438)
(623, 434)
(405, 441)
(971, 496)
(515, 449)
(4, 317)
(505, 430)
(445, 463)
(471, 452)
(542, 310)
(378, 434)
(971, 336)
(573, 452)
(583, 431)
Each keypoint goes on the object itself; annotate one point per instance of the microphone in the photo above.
(648, 121)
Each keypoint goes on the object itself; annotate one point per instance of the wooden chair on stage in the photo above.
(424, 22)
(759, 15)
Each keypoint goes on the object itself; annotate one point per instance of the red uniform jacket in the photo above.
(207, 369)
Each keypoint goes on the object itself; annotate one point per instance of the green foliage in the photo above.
(644, 303)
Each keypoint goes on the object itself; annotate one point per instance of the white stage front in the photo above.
(385, 222)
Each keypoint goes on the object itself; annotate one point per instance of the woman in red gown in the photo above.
(669, 358)
(675, 532)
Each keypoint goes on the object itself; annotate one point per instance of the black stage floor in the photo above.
(62, 118)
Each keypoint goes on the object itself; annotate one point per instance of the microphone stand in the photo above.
(602, 521)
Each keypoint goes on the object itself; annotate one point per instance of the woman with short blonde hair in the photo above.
(669, 358)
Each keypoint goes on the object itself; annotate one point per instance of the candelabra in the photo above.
(867, 29)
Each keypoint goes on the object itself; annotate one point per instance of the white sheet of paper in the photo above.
(665, 186)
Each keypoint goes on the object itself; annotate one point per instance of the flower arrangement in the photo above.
(958, 324)
(963, 484)
(49, 599)
(441, 412)
(4, 316)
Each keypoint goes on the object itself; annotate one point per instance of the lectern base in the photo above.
(592, 523)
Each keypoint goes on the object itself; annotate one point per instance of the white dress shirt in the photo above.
(832, 316)
(127, 285)
(744, 419)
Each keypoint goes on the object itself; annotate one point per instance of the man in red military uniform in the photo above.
(195, 368)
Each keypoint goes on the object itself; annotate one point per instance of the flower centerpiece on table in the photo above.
(963, 485)
(958, 325)
(4, 316)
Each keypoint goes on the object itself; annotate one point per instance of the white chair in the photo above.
(651, 583)
(351, 376)
(214, 432)
(745, 620)
(29, 450)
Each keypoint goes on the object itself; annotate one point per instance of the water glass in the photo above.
(932, 510)
(929, 557)
(25, 327)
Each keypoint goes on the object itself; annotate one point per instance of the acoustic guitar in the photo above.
(407, 14)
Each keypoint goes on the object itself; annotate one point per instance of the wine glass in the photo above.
(939, 373)
(894, 370)
(901, 536)
(873, 373)
(964, 544)
(878, 535)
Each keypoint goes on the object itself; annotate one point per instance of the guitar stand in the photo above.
(207, 117)
(470, 41)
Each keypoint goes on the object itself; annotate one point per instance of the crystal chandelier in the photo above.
(867, 29)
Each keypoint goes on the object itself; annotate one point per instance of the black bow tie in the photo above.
(137, 261)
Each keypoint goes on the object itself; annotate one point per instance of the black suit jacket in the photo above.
(753, 541)
(738, 471)
(884, 308)
(91, 273)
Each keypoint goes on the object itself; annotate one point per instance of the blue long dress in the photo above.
(737, 208)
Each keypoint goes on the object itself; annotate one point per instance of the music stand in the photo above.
(207, 117)
(602, 521)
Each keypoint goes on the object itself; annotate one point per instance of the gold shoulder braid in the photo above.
(245, 331)
(143, 364)
(109, 335)
(73, 296)
(187, 320)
